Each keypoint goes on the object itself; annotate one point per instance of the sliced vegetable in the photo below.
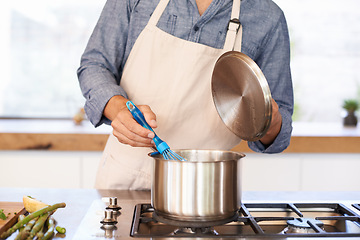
(60, 230)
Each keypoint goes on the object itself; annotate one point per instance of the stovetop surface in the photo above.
(260, 219)
(256, 220)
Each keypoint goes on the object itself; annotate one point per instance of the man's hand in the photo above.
(275, 125)
(125, 127)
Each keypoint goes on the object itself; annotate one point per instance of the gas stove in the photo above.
(255, 220)
(276, 220)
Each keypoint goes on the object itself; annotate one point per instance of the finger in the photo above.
(132, 125)
(128, 135)
(149, 115)
(125, 140)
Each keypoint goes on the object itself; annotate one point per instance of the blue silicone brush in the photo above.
(161, 146)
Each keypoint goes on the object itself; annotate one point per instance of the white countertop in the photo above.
(50, 126)
(300, 129)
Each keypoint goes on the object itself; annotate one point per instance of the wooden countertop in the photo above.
(64, 135)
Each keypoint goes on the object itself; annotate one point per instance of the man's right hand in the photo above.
(125, 127)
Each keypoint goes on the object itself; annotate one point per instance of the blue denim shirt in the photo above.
(265, 40)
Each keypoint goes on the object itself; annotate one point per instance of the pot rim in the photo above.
(157, 156)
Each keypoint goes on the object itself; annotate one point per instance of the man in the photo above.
(160, 55)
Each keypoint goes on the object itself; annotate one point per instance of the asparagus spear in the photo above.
(31, 216)
(23, 235)
(40, 234)
(20, 218)
(25, 232)
(30, 224)
(38, 225)
(51, 228)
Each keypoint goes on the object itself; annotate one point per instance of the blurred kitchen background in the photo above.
(41, 44)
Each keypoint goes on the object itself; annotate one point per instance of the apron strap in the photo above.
(237, 46)
(234, 32)
(158, 12)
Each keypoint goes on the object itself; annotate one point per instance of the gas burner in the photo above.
(304, 225)
(193, 224)
(195, 231)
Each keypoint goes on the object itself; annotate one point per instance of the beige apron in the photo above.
(173, 77)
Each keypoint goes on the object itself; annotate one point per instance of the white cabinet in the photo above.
(301, 172)
(260, 172)
(48, 169)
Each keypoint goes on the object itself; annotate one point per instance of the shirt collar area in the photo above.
(215, 7)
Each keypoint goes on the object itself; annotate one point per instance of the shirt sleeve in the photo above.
(99, 72)
(274, 61)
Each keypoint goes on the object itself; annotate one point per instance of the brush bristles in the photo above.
(171, 155)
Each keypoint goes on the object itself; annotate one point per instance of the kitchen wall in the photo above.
(276, 172)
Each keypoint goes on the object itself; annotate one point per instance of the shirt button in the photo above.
(196, 28)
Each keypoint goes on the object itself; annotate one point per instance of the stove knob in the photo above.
(113, 204)
(109, 221)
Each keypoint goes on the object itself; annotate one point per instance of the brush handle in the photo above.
(139, 117)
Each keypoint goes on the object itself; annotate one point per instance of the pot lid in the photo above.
(241, 95)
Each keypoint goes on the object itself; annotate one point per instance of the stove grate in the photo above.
(357, 206)
(261, 220)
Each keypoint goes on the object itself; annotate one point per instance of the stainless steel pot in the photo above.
(206, 187)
